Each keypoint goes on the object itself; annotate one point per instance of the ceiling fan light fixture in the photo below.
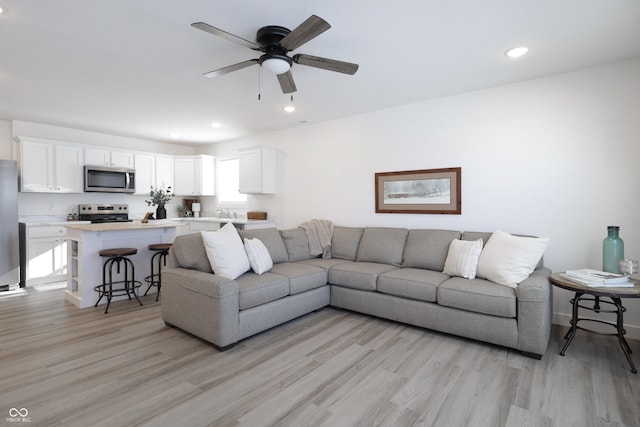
(277, 64)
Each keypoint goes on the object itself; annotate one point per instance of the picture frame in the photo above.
(426, 191)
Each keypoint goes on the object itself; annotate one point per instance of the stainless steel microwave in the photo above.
(106, 179)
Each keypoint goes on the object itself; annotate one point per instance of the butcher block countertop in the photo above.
(119, 226)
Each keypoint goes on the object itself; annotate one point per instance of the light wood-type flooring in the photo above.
(68, 366)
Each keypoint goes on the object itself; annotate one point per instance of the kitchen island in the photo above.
(85, 241)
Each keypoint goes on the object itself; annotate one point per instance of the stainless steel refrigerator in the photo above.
(9, 243)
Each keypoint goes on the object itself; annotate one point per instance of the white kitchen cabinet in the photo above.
(194, 175)
(164, 171)
(156, 171)
(46, 254)
(145, 173)
(198, 226)
(106, 157)
(257, 170)
(50, 166)
(195, 225)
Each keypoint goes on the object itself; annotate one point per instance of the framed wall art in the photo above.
(427, 191)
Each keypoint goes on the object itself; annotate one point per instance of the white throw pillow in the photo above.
(508, 259)
(226, 252)
(462, 259)
(258, 255)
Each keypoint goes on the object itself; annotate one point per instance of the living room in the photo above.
(552, 156)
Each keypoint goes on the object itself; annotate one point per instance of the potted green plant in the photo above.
(183, 211)
(160, 197)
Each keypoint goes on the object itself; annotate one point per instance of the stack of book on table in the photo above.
(596, 278)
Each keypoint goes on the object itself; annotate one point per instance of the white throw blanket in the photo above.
(319, 232)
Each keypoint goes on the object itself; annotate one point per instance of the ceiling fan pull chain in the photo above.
(259, 87)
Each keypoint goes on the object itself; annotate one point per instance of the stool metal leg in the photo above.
(155, 278)
(129, 282)
(132, 282)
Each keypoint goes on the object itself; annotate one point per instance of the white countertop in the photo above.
(223, 220)
(51, 222)
(119, 226)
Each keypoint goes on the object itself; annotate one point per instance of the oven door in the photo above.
(109, 180)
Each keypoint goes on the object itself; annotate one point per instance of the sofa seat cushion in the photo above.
(358, 275)
(325, 263)
(301, 277)
(259, 289)
(478, 295)
(414, 283)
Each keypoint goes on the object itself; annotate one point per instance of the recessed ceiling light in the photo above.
(174, 135)
(216, 125)
(3, 10)
(289, 108)
(517, 52)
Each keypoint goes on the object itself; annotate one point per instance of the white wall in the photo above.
(555, 157)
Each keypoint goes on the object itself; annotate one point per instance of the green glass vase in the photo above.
(612, 250)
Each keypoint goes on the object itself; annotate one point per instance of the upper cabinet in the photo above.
(105, 157)
(194, 175)
(50, 166)
(145, 173)
(153, 171)
(257, 170)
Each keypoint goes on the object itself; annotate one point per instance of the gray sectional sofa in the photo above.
(392, 273)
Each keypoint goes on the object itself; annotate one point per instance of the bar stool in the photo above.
(127, 286)
(157, 260)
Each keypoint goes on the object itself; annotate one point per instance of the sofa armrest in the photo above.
(203, 304)
(535, 308)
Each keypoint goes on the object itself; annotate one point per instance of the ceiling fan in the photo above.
(276, 42)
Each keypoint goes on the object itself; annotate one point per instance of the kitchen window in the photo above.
(229, 183)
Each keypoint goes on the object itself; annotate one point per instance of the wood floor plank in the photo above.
(72, 367)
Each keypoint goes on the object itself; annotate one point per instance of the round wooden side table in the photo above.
(588, 294)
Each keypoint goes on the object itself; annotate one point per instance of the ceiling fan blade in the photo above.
(228, 36)
(286, 82)
(309, 29)
(230, 68)
(326, 64)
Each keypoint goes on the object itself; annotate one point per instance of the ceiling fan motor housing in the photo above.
(271, 35)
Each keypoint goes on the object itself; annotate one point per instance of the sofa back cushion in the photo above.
(297, 244)
(428, 249)
(345, 242)
(190, 253)
(382, 245)
(272, 240)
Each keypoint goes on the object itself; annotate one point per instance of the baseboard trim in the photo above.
(564, 319)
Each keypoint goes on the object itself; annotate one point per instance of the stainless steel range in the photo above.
(103, 213)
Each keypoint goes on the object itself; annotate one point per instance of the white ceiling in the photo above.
(134, 68)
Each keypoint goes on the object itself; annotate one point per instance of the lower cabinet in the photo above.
(45, 255)
(196, 226)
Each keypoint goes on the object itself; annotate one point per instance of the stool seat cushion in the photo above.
(118, 252)
(160, 246)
